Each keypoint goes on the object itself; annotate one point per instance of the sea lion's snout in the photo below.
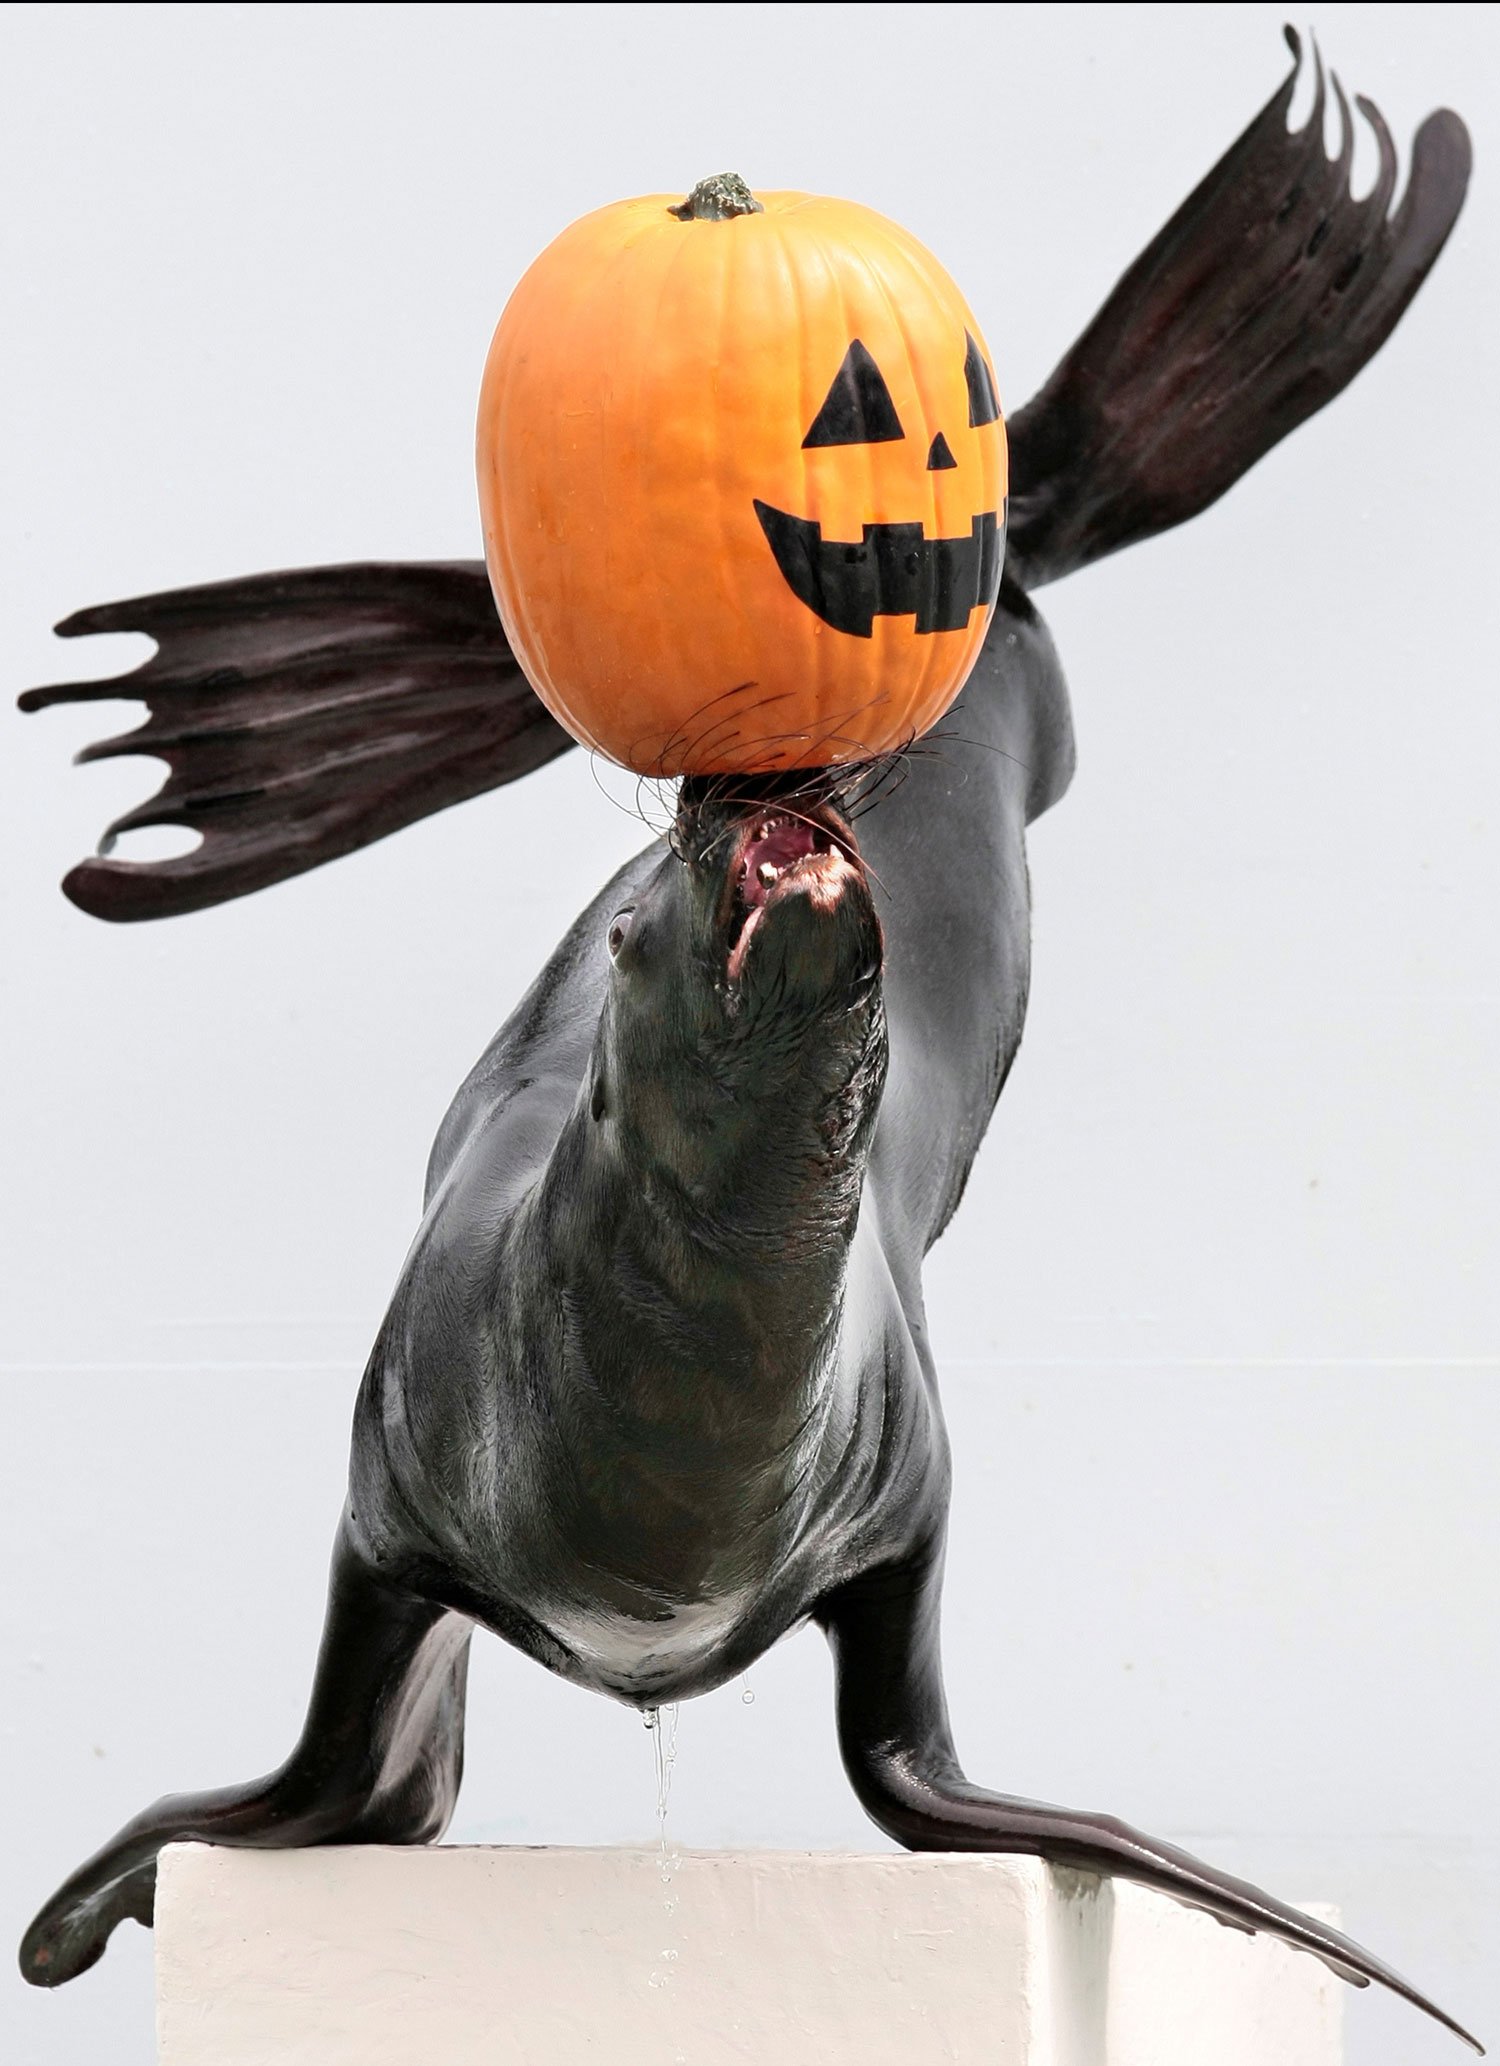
(742, 1043)
(791, 872)
(788, 895)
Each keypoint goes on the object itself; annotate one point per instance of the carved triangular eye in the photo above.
(858, 409)
(984, 404)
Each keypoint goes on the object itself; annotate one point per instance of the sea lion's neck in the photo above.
(711, 1289)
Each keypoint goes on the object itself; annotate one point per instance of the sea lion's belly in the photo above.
(651, 1536)
(680, 1651)
(672, 1610)
(662, 1589)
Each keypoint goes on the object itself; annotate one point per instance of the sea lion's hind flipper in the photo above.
(899, 1754)
(1263, 296)
(379, 1762)
(302, 715)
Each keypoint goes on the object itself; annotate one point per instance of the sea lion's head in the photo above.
(741, 1050)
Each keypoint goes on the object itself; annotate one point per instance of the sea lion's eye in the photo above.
(619, 928)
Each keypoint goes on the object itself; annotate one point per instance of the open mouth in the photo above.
(895, 570)
(779, 855)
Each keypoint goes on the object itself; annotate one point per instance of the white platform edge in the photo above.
(376, 1956)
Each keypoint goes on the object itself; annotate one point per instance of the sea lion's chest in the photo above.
(656, 1541)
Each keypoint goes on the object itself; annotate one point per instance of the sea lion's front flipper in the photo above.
(1264, 295)
(898, 1752)
(301, 716)
(378, 1762)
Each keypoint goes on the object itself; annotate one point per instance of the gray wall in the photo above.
(1218, 1319)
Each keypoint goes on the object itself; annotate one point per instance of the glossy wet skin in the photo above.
(693, 1226)
(655, 1377)
(741, 1046)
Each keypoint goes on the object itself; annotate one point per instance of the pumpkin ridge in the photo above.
(720, 330)
(825, 691)
(674, 633)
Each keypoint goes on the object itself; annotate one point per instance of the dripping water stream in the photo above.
(662, 1723)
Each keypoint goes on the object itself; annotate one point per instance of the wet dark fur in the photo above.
(655, 1385)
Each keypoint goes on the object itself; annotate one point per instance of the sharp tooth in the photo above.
(766, 874)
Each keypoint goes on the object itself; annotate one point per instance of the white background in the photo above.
(1218, 1318)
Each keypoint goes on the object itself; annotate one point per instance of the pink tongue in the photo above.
(782, 845)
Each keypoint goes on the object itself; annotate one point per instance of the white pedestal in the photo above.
(448, 1957)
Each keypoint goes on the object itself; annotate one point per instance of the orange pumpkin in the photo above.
(742, 470)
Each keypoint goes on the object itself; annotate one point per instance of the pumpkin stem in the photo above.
(717, 200)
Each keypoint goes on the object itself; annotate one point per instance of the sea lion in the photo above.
(655, 1385)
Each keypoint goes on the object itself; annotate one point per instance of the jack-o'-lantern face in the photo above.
(894, 569)
(743, 484)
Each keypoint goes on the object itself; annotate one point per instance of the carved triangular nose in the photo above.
(938, 455)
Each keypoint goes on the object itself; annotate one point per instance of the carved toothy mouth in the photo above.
(896, 570)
